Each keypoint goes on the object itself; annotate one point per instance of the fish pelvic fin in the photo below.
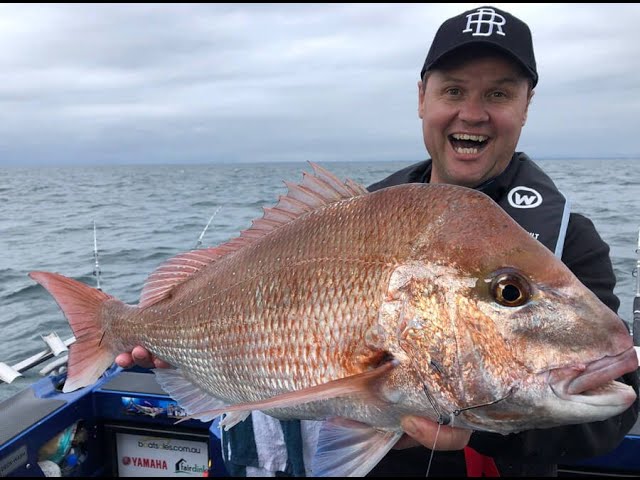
(315, 191)
(90, 355)
(347, 448)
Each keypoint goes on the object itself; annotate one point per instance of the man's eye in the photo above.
(453, 91)
(498, 94)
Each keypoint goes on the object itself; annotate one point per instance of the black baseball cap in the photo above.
(484, 25)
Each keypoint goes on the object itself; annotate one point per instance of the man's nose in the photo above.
(473, 110)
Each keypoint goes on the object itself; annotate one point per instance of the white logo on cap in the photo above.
(492, 19)
(524, 197)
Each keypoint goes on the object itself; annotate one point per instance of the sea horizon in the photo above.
(633, 157)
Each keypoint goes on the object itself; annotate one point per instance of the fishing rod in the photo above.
(636, 300)
(199, 242)
(96, 269)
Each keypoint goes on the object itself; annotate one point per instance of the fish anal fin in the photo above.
(198, 403)
(347, 448)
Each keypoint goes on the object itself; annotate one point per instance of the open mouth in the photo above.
(595, 383)
(467, 143)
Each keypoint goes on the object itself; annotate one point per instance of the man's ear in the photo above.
(526, 110)
(420, 99)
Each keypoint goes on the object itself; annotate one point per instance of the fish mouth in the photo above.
(595, 382)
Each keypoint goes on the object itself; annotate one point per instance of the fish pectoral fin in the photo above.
(358, 384)
(197, 402)
(347, 448)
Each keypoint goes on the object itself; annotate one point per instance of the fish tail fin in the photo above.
(90, 355)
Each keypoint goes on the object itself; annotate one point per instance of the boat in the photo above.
(126, 425)
(123, 425)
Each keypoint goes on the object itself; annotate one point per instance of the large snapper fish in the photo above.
(359, 308)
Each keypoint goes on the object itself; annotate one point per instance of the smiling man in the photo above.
(474, 93)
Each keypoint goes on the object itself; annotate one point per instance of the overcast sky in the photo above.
(169, 83)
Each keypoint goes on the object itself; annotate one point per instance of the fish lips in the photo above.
(595, 383)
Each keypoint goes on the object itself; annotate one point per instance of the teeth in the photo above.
(466, 150)
(466, 136)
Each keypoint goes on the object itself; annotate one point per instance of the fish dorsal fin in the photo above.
(315, 191)
(175, 271)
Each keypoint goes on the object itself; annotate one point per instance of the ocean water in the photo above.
(146, 214)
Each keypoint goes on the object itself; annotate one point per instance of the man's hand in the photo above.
(422, 431)
(141, 357)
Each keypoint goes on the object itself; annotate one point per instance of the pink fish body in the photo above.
(358, 308)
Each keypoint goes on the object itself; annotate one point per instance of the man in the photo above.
(475, 89)
(473, 97)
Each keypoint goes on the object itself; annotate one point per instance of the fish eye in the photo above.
(510, 289)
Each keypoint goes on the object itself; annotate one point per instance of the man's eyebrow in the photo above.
(500, 81)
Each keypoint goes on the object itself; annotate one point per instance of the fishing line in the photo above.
(459, 411)
(442, 419)
(433, 449)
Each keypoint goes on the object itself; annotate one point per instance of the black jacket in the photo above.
(533, 452)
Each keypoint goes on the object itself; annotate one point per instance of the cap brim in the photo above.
(497, 46)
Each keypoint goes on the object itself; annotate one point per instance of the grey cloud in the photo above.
(138, 83)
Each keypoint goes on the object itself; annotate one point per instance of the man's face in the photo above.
(472, 114)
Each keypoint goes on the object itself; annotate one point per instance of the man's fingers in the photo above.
(124, 360)
(160, 363)
(142, 357)
(138, 356)
(426, 432)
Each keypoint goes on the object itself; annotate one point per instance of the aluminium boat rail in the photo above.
(55, 347)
